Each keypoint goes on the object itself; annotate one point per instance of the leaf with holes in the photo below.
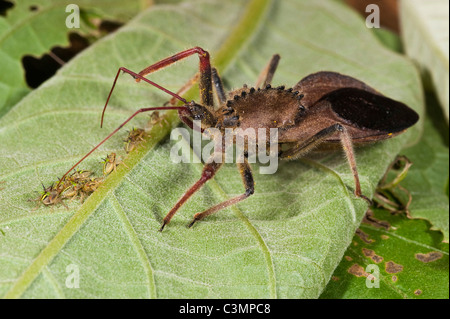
(284, 241)
(30, 29)
(427, 180)
(392, 256)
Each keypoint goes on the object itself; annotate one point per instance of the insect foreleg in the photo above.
(209, 170)
(205, 84)
(117, 129)
(137, 76)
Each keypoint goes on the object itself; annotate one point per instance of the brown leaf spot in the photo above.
(417, 292)
(371, 220)
(368, 252)
(364, 237)
(393, 268)
(357, 271)
(429, 257)
(334, 278)
(384, 237)
(394, 278)
(348, 258)
(377, 259)
(371, 254)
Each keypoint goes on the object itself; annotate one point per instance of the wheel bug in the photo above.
(324, 108)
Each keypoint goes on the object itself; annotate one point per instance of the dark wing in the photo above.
(366, 110)
(331, 98)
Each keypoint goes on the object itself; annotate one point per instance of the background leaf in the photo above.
(427, 180)
(385, 237)
(425, 34)
(419, 257)
(29, 29)
(285, 241)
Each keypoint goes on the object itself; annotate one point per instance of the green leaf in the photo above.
(427, 180)
(284, 241)
(425, 34)
(411, 261)
(32, 28)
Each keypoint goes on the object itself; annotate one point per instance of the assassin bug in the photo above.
(324, 108)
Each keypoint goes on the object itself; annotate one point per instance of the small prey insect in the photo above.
(50, 196)
(323, 109)
(135, 136)
(110, 163)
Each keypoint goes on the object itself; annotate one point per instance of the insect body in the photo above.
(79, 183)
(322, 110)
(110, 163)
(135, 136)
(50, 196)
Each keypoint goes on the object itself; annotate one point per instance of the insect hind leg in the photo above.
(302, 148)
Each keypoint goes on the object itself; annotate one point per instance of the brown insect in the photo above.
(50, 196)
(78, 176)
(73, 185)
(110, 163)
(89, 187)
(135, 136)
(323, 109)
